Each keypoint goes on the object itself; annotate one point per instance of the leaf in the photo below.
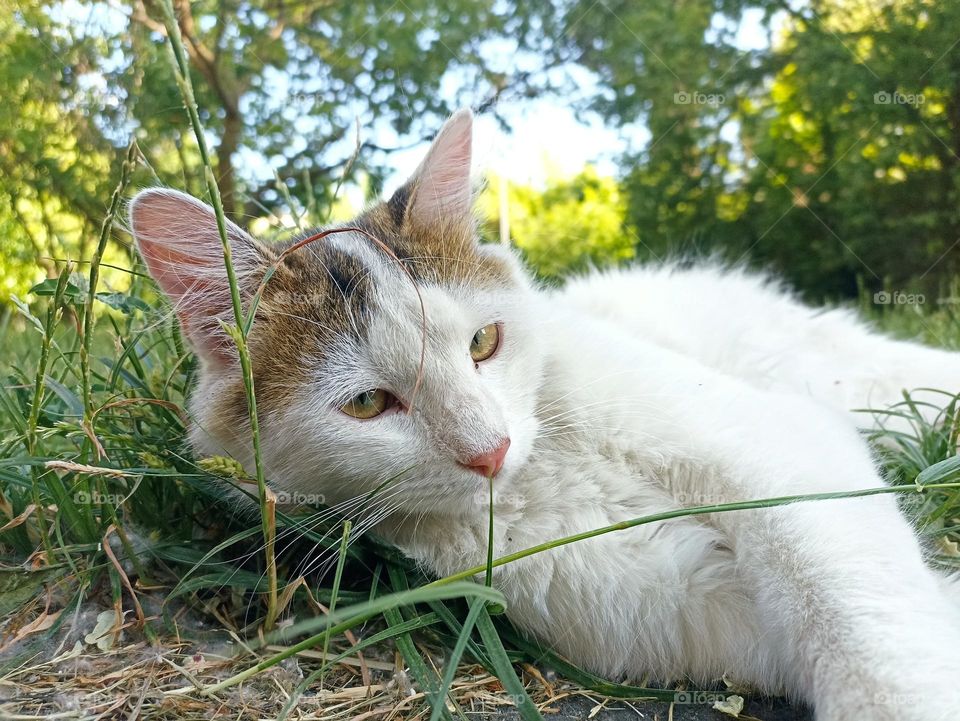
(236, 579)
(126, 304)
(25, 312)
(501, 662)
(40, 623)
(732, 705)
(949, 548)
(102, 634)
(343, 619)
(377, 638)
(74, 652)
(74, 404)
(945, 471)
(447, 616)
(19, 520)
(545, 657)
(423, 674)
(453, 660)
(942, 472)
(72, 293)
(18, 587)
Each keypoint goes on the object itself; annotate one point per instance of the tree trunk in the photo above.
(221, 80)
(232, 129)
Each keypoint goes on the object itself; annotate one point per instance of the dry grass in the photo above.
(162, 678)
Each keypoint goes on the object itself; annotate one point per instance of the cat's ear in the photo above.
(440, 193)
(178, 240)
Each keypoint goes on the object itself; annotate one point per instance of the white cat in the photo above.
(623, 394)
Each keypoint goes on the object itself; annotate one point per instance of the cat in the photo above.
(435, 359)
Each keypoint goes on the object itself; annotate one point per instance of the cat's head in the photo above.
(356, 383)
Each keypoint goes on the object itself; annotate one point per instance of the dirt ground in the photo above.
(126, 674)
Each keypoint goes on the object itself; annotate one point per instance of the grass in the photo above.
(107, 512)
(121, 568)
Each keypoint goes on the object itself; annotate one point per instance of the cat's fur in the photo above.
(624, 394)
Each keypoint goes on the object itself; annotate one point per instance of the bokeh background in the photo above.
(819, 139)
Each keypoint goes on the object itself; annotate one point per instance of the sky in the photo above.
(547, 138)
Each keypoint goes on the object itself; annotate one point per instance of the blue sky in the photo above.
(547, 138)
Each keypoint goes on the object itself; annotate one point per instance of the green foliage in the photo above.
(56, 168)
(860, 131)
(833, 155)
(934, 321)
(571, 225)
(280, 87)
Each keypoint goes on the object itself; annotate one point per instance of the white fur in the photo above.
(830, 601)
(626, 394)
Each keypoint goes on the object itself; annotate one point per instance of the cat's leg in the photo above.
(841, 588)
(748, 327)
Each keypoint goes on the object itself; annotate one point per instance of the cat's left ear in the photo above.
(439, 193)
(179, 241)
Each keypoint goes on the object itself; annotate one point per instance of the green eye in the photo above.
(369, 404)
(485, 342)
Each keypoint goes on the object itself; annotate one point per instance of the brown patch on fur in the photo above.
(319, 294)
(316, 296)
(437, 254)
(232, 420)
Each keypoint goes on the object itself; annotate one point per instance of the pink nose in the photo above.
(489, 463)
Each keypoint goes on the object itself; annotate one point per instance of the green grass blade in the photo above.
(423, 674)
(476, 607)
(414, 624)
(540, 655)
(501, 662)
(341, 558)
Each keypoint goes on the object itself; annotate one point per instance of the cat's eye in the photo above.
(369, 404)
(485, 342)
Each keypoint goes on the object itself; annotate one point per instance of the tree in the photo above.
(831, 155)
(571, 226)
(861, 132)
(56, 167)
(287, 79)
(282, 87)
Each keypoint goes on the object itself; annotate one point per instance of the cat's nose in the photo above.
(488, 463)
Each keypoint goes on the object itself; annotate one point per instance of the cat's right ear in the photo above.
(439, 193)
(178, 239)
